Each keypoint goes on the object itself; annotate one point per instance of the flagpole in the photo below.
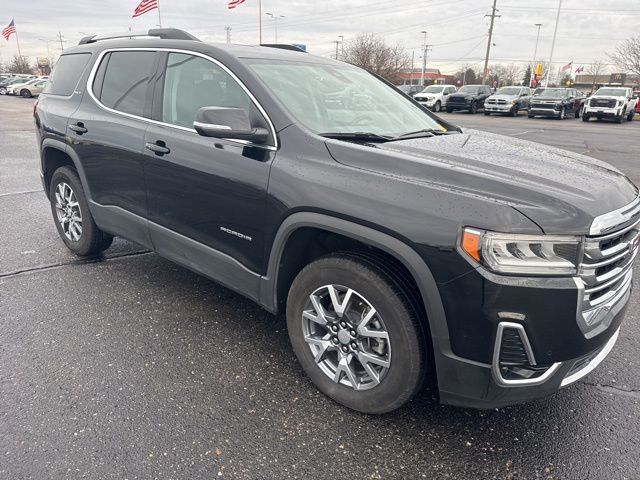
(17, 42)
(159, 19)
(260, 18)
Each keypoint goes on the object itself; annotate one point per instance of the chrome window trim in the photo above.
(96, 65)
(593, 363)
(495, 364)
(608, 221)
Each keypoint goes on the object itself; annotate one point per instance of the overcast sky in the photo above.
(457, 29)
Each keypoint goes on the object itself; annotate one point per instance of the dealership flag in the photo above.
(8, 30)
(567, 66)
(580, 69)
(234, 3)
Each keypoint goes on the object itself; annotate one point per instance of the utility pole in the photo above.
(341, 37)
(535, 52)
(61, 39)
(424, 58)
(553, 44)
(486, 57)
(228, 30)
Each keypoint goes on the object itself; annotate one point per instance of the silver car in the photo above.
(508, 100)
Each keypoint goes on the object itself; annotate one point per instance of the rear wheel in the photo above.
(24, 93)
(71, 213)
(356, 333)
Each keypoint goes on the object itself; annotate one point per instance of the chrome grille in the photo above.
(607, 267)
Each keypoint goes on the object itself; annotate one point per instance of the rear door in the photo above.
(107, 133)
(206, 195)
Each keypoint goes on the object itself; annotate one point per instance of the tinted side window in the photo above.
(67, 72)
(192, 83)
(126, 81)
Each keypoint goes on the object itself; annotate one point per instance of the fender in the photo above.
(52, 143)
(398, 249)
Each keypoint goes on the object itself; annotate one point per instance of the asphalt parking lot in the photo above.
(132, 367)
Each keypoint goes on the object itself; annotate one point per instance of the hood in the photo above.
(561, 191)
(508, 98)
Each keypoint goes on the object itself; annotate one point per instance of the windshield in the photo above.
(554, 92)
(469, 89)
(340, 98)
(508, 91)
(614, 92)
(432, 90)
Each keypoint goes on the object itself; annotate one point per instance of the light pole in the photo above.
(553, 44)
(275, 19)
(341, 37)
(535, 52)
(424, 58)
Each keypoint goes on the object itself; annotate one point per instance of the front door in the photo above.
(206, 195)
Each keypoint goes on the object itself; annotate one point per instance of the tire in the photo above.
(529, 115)
(375, 285)
(437, 106)
(514, 111)
(473, 108)
(622, 116)
(585, 117)
(24, 93)
(563, 114)
(449, 110)
(630, 116)
(578, 113)
(3, 91)
(487, 113)
(91, 240)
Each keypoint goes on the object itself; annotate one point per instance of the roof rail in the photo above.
(164, 33)
(283, 46)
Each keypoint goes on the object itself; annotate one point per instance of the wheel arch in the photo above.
(56, 154)
(281, 271)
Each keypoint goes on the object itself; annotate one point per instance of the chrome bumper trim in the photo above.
(593, 363)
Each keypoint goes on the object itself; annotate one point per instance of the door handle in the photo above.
(159, 148)
(79, 128)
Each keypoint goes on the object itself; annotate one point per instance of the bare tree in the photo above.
(511, 74)
(20, 65)
(627, 55)
(594, 69)
(370, 52)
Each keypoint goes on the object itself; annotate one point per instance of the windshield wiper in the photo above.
(425, 132)
(358, 136)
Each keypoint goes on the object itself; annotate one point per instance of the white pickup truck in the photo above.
(610, 102)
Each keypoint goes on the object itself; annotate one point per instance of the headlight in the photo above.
(523, 254)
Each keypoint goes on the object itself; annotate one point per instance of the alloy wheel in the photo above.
(68, 212)
(347, 337)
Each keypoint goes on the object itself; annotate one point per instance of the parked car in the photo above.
(618, 103)
(410, 90)
(396, 244)
(557, 103)
(435, 97)
(508, 100)
(31, 90)
(16, 88)
(4, 86)
(469, 97)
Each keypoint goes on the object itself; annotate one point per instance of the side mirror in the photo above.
(228, 122)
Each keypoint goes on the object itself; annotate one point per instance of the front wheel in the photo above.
(71, 213)
(449, 110)
(585, 117)
(356, 332)
(578, 112)
(630, 116)
(622, 116)
(437, 107)
(473, 108)
(514, 111)
(563, 113)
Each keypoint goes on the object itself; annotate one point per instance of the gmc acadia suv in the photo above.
(397, 245)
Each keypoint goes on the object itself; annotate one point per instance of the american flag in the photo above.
(145, 6)
(567, 66)
(234, 3)
(8, 30)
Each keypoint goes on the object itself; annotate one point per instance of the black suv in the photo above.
(470, 98)
(397, 245)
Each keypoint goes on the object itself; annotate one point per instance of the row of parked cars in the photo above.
(26, 86)
(618, 103)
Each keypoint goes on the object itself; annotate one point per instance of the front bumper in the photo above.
(498, 108)
(544, 112)
(600, 112)
(458, 105)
